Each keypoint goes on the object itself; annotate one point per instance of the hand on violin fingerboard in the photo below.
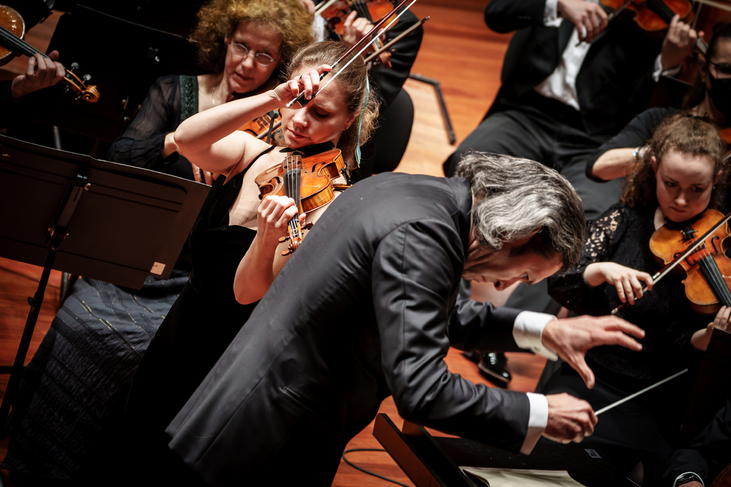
(678, 44)
(588, 18)
(41, 72)
(354, 28)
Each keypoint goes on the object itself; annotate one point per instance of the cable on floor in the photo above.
(368, 471)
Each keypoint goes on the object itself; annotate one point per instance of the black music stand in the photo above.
(434, 461)
(93, 218)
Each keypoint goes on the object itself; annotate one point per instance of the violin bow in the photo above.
(395, 39)
(692, 248)
(369, 38)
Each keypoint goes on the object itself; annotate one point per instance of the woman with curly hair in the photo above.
(242, 45)
(681, 176)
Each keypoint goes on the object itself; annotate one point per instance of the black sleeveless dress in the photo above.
(203, 320)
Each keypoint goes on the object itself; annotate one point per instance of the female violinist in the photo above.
(710, 97)
(242, 45)
(234, 222)
(682, 175)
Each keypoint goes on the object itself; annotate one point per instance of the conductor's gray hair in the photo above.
(515, 197)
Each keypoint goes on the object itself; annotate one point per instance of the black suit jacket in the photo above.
(615, 80)
(366, 307)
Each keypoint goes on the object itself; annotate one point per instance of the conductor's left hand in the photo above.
(570, 338)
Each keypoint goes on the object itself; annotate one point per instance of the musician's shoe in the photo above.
(492, 365)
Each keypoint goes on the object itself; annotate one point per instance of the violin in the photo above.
(707, 268)
(259, 127)
(308, 181)
(12, 30)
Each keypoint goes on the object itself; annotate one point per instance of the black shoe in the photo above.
(492, 364)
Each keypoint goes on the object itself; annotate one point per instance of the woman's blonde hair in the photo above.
(219, 19)
(686, 134)
(354, 81)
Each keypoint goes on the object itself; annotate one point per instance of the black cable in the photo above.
(368, 471)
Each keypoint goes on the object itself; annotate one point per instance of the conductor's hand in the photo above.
(570, 338)
(40, 72)
(569, 419)
(589, 18)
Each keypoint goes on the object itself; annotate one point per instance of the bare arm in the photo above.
(210, 139)
(614, 163)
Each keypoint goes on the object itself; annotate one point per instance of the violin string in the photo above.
(17, 43)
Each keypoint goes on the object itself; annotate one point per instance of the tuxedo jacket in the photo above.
(615, 80)
(365, 308)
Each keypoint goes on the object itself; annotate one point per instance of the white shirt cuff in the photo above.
(537, 421)
(657, 71)
(550, 14)
(527, 332)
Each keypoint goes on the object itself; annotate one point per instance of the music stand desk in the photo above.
(84, 216)
(434, 461)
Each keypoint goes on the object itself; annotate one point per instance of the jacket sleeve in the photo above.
(508, 15)
(414, 272)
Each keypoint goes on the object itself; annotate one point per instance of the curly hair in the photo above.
(219, 19)
(688, 135)
(353, 80)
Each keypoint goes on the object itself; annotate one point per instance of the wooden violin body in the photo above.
(12, 30)
(318, 171)
(336, 12)
(260, 125)
(708, 269)
(306, 180)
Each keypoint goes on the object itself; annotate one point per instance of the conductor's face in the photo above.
(503, 269)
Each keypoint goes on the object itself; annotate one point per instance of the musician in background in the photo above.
(710, 97)
(681, 176)
(242, 45)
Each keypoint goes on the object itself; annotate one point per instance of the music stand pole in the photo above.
(57, 232)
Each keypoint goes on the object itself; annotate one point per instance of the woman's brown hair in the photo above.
(685, 134)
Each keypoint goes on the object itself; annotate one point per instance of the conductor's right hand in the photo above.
(569, 419)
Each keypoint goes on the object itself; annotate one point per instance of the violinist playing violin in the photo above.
(234, 222)
(710, 97)
(681, 178)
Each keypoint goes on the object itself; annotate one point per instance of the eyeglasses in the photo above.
(722, 68)
(260, 57)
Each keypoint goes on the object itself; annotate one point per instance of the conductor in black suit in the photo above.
(368, 307)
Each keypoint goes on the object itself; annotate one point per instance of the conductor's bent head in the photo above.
(527, 220)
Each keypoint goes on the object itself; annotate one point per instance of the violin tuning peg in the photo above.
(283, 239)
(308, 225)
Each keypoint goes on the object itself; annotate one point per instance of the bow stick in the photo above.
(395, 39)
(692, 248)
(369, 38)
